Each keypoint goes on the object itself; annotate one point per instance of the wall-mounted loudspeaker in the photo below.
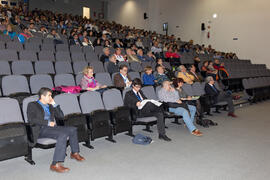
(145, 16)
(202, 26)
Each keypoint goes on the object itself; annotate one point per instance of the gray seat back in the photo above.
(98, 66)
(68, 103)
(64, 79)
(112, 99)
(40, 80)
(78, 66)
(4, 68)
(87, 99)
(25, 103)
(62, 67)
(104, 79)
(22, 67)
(10, 111)
(14, 84)
(44, 67)
(149, 92)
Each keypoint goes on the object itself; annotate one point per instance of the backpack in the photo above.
(141, 139)
(68, 89)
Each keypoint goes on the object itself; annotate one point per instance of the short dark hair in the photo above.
(159, 66)
(176, 81)
(43, 91)
(136, 82)
(122, 66)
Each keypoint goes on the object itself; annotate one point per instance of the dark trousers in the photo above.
(228, 98)
(150, 109)
(61, 134)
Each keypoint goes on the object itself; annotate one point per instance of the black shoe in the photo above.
(164, 137)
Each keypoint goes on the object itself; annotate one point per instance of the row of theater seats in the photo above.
(257, 88)
(60, 67)
(38, 46)
(12, 84)
(46, 55)
(106, 117)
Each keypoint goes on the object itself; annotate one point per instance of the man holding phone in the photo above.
(42, 113)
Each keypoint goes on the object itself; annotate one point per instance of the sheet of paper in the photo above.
(149, 100)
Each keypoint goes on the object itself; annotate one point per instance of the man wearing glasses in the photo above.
(133, 99)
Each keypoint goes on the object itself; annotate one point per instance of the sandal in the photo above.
(196, 132)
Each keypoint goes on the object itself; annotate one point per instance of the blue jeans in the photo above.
(188, 119)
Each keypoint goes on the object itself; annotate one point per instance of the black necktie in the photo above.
(138, 96)
(215, 89)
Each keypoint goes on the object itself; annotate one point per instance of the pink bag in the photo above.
(68, 89)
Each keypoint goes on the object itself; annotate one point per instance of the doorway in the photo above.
(86, 12)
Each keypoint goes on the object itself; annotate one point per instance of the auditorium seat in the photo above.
(99, 118)
(44, 67)
(64, 80)
(62, 56)
(22, 67)
(2, 45)
(121, 118)
(75, 48)
(37, 40)
(77, 56)
(91, 56)
(8, 55)
(28, 55)
(14, 84)
(62, 47)
(47, 41)
(5, 38)
(14, 46)
(134, 75)
(147, 121)
(73, 116)
(46, 56)
(87, 49)
(13, 134)
(78, 66)
(40, 80)
(136, 66)
(78, 78)
(47, 47)
(4, 68)
(62, 67)
(34, 141)
(124, 63)
(32, 46)
(149, 92)
(188, 89)
(99, 50)
(104, 79)
(98, 66)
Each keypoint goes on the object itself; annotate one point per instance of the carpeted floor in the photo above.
(237, 149)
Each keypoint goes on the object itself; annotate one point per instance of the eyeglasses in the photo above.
(138, 86)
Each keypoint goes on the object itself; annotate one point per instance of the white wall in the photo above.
(247, 20)
(128, 12)
(67, 6)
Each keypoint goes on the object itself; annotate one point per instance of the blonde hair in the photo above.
(86, 69)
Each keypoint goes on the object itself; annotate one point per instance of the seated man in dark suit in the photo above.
(218, 96)
(122, 79)
(133, 99)
(42, 113)
(112, 66)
